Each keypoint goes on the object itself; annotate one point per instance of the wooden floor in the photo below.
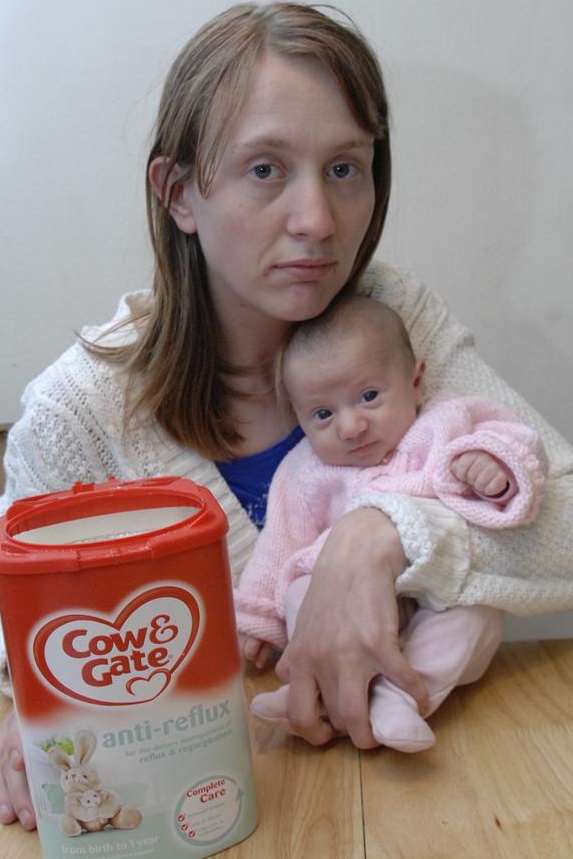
(498, 784)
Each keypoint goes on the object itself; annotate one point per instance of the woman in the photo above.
(268, 186)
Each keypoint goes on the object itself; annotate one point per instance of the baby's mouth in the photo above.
(363, 447)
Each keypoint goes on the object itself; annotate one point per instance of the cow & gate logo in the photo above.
(129, 659)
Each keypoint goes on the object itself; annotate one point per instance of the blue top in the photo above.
(249, 477)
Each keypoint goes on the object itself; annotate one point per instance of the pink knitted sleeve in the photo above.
(518, 448)
(289, 527)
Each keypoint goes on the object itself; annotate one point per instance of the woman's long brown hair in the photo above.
(182, 377)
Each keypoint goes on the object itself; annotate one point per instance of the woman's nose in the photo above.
(311, 213)
(351, 425)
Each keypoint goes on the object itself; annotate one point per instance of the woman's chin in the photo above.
(305, 301)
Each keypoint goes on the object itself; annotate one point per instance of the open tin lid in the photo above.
(100, 524)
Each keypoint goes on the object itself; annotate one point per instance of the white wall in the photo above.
(482, 94)
(482, 205)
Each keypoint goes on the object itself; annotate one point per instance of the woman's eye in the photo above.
(322, 414)
(264, 171)
(369, 396)
(343, 170)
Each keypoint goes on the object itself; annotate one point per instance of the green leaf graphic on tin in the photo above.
(64, 743)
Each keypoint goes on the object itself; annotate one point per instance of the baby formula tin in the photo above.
(117, 610)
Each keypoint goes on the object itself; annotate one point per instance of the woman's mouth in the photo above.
(305, 270)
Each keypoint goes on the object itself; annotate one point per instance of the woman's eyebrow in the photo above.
(271, 142)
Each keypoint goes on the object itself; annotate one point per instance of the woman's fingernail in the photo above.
(26, 819)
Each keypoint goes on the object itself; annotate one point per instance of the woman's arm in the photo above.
(523, 571)
(347, 632)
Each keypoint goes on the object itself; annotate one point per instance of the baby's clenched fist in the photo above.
(484, 474)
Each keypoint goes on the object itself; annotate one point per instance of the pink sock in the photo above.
(449, 648)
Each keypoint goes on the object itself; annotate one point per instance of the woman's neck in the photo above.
(251, 345)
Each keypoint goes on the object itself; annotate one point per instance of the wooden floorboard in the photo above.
(309, 798)
(498, 784)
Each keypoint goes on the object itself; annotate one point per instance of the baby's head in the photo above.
(353, 381)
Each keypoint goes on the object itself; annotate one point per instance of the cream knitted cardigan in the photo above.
(71, 430)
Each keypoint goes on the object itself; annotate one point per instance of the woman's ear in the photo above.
(165, 182)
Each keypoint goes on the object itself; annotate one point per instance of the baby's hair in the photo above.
(341, 317)
(345, 315)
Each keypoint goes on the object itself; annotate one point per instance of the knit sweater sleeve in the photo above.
(289, 528)
(521, 570)
(50, 447)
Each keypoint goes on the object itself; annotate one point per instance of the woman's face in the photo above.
(291, 200)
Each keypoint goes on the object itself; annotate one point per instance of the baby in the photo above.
(356, 387)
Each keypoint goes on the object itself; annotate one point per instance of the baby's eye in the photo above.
(264, 171)
(370, 395)
(322, 414)
(343, 170)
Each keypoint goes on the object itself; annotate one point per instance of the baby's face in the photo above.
(354, 400)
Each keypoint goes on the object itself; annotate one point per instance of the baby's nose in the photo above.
(351, 425)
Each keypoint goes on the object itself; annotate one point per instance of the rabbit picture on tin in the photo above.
(88, 806)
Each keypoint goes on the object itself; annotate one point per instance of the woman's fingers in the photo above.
(350, 712)
(304, 711)
(282, 668)
(19, 798)
(400, 672)
(15, 801)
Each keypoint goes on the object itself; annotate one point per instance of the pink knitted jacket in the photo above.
(307, 497)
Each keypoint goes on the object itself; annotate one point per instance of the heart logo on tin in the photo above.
(129, 659)
(148, 688)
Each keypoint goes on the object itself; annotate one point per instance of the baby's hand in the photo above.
(484, 474)
(256, 651)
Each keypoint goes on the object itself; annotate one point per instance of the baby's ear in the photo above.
(419, 370)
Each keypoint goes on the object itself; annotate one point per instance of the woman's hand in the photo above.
(15, 801)
(347, 632)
